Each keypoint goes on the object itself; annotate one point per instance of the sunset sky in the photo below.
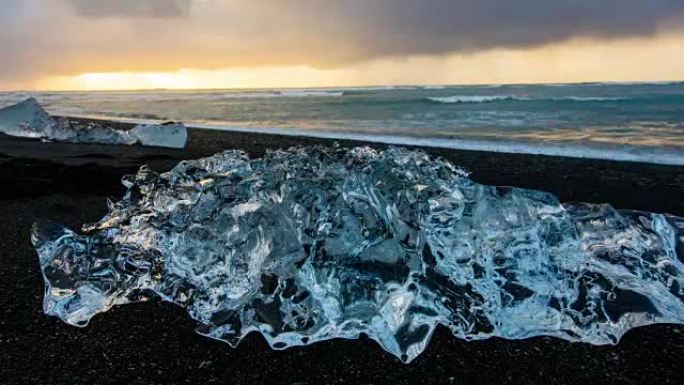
(140, 44)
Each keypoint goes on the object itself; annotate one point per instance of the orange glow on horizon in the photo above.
(640, 59)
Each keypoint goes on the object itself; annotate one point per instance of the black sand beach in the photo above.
(154, 342)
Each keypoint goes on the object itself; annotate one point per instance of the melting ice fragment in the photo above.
(29, 119)
(315, 243)
(173, 135)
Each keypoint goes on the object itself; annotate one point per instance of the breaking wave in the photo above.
(316, 243)
(591, 99)
(498, 98)
(470, 98)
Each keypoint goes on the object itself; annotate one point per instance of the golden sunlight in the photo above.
(576, 60)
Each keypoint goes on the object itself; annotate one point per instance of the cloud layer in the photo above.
(53, 37)
(132, 8)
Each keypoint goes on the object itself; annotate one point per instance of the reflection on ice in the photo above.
(29, 120)
(314, 243)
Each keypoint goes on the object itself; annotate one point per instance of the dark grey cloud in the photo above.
(49, 37)
(398, 27)
(132, 8)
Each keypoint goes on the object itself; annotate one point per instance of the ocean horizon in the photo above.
(628, 121)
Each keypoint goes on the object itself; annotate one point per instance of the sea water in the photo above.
(621, 121)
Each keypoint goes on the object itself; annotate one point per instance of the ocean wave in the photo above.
(307, 93)
(470, 98)
(69, 100)
(624, 153)
(270, 94)
(591, 98)
(251, 95)
(136, 115)
(75, 112)
(646, 83)
(499, 98)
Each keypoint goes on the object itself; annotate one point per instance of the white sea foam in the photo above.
(591, 99)
(497, 98)
(571, 121)
(651, 83)
(622, 153)
(470, 98)
(305, 93)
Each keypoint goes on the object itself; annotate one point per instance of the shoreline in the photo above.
(637, 155)
(155, 342)
(625, 185)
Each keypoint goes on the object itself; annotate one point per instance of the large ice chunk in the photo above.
(313, 243)
(28, 119)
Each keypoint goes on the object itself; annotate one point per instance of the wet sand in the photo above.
(154, 342)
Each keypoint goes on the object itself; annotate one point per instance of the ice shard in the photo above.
(171, 134)
(317, 243)
(28, 119)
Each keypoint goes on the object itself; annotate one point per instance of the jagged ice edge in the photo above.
(316, 243)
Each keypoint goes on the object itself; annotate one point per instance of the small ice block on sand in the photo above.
(173, 135)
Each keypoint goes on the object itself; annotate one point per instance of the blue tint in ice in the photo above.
(25, 119)
(28, 119)
(313, 243)
(173, 135)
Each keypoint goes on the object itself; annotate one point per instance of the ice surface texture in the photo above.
(172, 135)
(28, 119)
(316, 243)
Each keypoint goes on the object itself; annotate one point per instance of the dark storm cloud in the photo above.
(132, 8)
(51, 37)
(397, 27)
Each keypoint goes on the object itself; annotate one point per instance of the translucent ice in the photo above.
(172, 135)
(28, 119)
(313, 243)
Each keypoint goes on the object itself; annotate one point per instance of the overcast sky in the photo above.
(338, 41)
